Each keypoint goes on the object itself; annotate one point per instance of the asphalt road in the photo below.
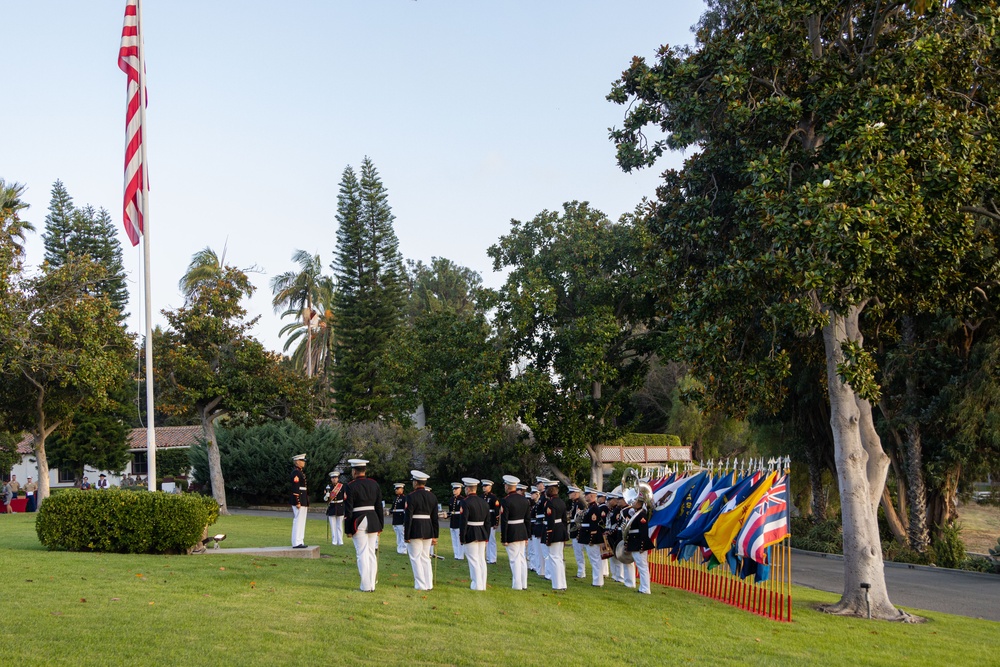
(937, 589)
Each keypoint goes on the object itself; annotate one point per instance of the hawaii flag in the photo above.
(767, 524)
(130, 62)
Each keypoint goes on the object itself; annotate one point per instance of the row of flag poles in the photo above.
(131, 60)
(722, 530)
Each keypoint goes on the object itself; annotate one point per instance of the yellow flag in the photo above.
(720, 538)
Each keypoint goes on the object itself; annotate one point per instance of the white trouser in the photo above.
(456, 544)
(606, 567)
(529, 553)
(475, 553)
(579, 554)
(596, 568)
(617, 572)
(337, 529)
(518, 564)
(544, 567)
(400, 542)
(491, 547)
(557, 566)
(365, 545)
(420, 562)
(628, 574)
(642, 564)
(541, 556)
(298, 525)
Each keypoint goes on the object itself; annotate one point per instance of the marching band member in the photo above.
(420, 525)
(613, 527)
(602, 503)
(363, 521)
(592, 535)
(637, 541)
(475, 515)
(515, 511)
(335, 510)
(556, 534)
(532, 546)
(455, 520)
(399, 516)
(494, 504)
(576, 510)
(538, 532)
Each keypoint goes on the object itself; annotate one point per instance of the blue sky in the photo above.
(473, 112)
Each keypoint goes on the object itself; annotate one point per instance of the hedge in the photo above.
(119, 521)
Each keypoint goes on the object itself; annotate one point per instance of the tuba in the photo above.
(633, 489)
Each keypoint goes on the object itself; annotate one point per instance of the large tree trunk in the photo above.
(596, 450)
(43, 467)
(818, 497)
(214, 460)
(861, 471)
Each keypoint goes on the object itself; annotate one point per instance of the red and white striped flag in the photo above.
(129, 61)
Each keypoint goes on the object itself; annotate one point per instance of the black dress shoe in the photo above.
(299, 546)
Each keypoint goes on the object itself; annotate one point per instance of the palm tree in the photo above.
(12, 229)
(205, 269)
(296, 293)
(313, 350)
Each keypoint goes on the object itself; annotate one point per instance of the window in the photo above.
(139, 463)
(66, 476)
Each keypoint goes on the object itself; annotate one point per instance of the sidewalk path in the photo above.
(937, 589)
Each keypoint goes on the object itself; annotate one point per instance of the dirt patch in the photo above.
(980, 527)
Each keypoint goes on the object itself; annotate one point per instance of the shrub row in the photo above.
(120, 521)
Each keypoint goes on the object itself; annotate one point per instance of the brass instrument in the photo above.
(634, 489)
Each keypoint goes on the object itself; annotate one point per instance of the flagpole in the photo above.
(150, 413)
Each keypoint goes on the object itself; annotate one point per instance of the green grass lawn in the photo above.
(74, 608)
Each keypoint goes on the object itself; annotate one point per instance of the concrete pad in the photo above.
(267, 552)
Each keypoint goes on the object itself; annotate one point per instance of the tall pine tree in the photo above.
(58, 225)
(84, 231)
(370, 297)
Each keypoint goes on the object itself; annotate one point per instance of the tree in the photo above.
(63, 355)
(442, 285)
(368, 305)
(12, 236)
(204, 271)
(83, 231)
(299, 293)
(8, 452)
(58, 225)
(574, 308)
(837, 170)
(98, 440)
(207, 361)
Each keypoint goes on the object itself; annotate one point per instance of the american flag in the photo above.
(130, 63)
(767, 524)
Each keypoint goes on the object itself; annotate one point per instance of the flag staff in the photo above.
(150, 414)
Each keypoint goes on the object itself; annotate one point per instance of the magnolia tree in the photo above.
(841, 161)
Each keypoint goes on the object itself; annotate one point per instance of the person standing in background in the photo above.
(31, 491)
(335, 510)
(455, 520)
(300, 501)
(399, 516)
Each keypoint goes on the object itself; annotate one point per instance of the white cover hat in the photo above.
(470, 481)
(419, 476)
(357, 463)
(510, 479)
(299, 457)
